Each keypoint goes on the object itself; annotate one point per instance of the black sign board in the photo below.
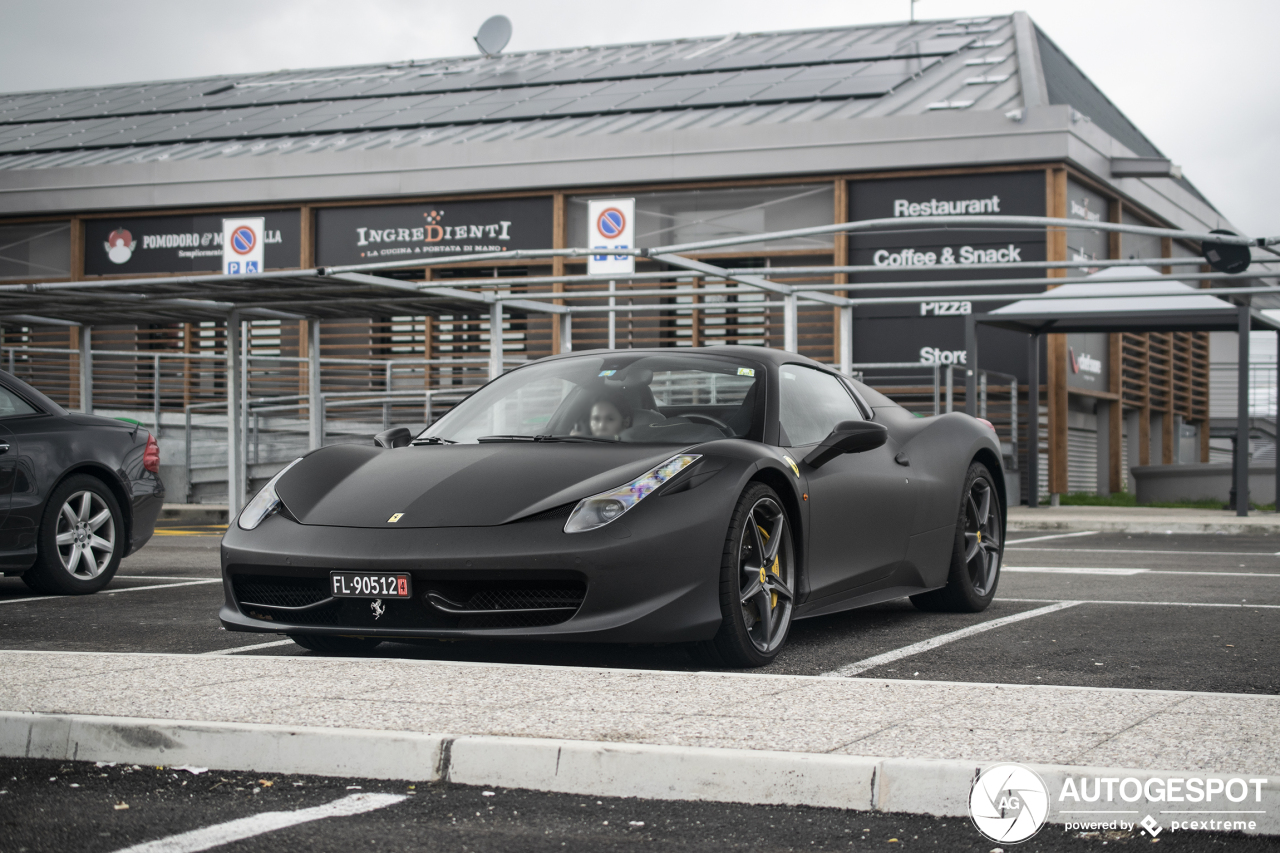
(177, 244)
(361, 235)
(1089, 361)
(932, 332)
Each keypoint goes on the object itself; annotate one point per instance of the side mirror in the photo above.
(394, 437)
(848, 437)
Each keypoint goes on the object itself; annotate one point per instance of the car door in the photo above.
(859, 503)
(14, 411)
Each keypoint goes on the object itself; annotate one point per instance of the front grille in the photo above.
(553, 514)
(508, 603)
(278, 591)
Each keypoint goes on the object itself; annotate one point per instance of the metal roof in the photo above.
(733, 81)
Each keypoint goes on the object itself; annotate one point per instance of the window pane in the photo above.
(11, 405)
(811, 404)
(690, 216)
(35, 251)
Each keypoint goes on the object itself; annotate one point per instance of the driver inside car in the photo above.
(609, 417)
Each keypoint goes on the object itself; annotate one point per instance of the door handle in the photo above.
(4, 447)
(901, 458)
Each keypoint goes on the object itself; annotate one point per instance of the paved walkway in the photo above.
(1141, 519)
(1144, 730)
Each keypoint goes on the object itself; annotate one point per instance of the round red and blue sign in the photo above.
(243, 240)
(611, 223)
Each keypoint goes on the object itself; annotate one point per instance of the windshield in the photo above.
(617, 397)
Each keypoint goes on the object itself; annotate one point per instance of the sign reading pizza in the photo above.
(394, 232)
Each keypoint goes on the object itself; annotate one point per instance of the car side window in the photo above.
(11, 405)
(811, 403)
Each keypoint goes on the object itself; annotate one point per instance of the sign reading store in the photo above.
(393, 232)
(182, 244)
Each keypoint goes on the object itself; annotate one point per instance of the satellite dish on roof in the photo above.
(494, 35)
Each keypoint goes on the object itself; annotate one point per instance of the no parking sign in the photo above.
(242, 245)
(610, 225)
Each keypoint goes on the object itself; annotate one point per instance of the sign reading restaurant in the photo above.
(362, 235)
(182, 244)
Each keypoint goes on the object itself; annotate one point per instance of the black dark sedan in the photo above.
(701, 496)
(77, 492)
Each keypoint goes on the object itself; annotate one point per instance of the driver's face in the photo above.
(606, 420)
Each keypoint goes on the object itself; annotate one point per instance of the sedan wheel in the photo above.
(978, 550)
(86, 535)
(80, 541)
(757, 584)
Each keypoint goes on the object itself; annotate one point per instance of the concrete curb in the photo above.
(916, 786)
(175, 514)
(1053, 525)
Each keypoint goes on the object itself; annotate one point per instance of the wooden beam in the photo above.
(307, 238)
(1144, 435)
(1167, 437)
(559, 240)
(1115, 213)
(1056, 368)
(77, 249)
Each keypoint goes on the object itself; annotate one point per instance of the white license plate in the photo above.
(369, 585)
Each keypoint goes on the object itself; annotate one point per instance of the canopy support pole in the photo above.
(1033, 420)
(495, 340)
(846, 342)
(315, 414)
(971, 372)
(1242, 415)
(86, 369)
(566, 332)
(790, 324)
(234, 489)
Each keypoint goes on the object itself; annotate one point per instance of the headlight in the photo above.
(599, 510)
(264, 502)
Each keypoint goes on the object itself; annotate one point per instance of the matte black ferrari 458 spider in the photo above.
(77, 492)
(705, 496)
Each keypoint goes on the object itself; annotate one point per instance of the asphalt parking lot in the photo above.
(1164, 612)
(1099, 610)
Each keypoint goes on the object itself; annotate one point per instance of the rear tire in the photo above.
(757, 584)
(80, 541)
(978, 551)
(326, 644)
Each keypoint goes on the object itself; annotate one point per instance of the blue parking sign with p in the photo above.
(233, 267)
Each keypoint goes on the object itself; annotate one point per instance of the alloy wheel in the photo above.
(982, 537)
(85, 535)
(767, 573)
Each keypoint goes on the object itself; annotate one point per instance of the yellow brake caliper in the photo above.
(774, 568)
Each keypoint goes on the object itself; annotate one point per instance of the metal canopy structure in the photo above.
(360, 291)
(1146, 306)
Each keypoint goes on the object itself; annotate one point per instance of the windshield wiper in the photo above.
(484, 439)
(431, 439)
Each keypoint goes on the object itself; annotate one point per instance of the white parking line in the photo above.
(1073, 570)
(1244, 605)
(1011, 547)
(1051, 536)
(248, 827)
(105, 592)
(1094, 570)
(238, 649)
(852, 669)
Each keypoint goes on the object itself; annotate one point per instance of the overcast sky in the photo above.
(1199, 78)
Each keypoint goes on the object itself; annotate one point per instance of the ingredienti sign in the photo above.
(182, 244)
(361, 235)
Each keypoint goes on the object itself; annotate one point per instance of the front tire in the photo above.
(978, 552)
(757, 584)
(80, 541)
(326, 644)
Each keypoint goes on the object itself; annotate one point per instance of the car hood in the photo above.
(461, 485)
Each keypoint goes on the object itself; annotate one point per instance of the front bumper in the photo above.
(651, 576)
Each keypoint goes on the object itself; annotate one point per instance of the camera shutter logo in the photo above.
(1008, 803)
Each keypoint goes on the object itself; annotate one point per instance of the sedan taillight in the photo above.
(151, 456)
